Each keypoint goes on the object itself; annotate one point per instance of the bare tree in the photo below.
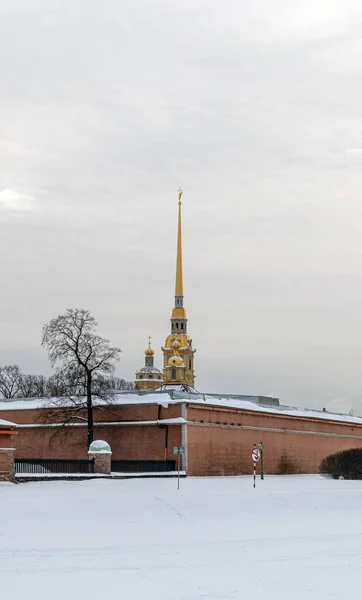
(118, 383)
(83, 359)
(39, 386)
(62, 384)
(32, 386)
(10, 381)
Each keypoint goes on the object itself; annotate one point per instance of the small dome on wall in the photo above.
(99, 447)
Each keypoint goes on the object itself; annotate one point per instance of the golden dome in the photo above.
(149, 352)
(176, 361)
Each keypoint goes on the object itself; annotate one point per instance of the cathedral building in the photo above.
(178, 353)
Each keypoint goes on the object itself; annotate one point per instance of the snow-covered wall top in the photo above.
(6, 424)
(165, 400)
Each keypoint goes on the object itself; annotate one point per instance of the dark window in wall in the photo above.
(150, 377)
(176, 325)
(182, 325)
(190, 364)
(173, 373)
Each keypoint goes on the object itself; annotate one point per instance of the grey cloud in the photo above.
(254, 108)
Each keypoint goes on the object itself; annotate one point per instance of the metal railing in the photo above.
(143, 466)
(44, 466)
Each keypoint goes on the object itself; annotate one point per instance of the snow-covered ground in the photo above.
(293, 537)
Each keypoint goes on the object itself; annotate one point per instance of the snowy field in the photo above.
(292, 537)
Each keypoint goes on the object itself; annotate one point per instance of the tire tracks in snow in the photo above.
(171, 507)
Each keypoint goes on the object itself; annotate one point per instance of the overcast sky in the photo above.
(254, 108)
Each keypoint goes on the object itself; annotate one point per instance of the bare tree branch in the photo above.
(83, 360)
(10, 381)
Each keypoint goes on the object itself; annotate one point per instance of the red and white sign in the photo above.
(255, 455)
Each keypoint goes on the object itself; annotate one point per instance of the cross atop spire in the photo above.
(180, 192)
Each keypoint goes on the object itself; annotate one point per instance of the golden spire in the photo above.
(179, 282)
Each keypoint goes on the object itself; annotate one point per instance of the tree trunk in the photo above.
(90, 409)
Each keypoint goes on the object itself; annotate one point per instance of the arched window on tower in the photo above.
(176, 325)
(173, 373)
(182, 325)
(190, 363)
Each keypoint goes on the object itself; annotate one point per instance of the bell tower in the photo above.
(179, 324)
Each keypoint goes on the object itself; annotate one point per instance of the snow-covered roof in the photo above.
(164, 399)
(177, 387)
(149, 370)
(343, 406)
(290, 411)
(116, 400)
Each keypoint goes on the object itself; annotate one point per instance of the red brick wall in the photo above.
(4, 464)
(127, 441)
(19, 416)
(220, 446)
(260, 419)
(131, 442)
(142, 412)
(144, 442)
(222, 450)
(6, 439)
(40, 443)
(6, 458)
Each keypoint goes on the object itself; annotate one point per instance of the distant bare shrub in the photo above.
(285, 465)
(343, 465)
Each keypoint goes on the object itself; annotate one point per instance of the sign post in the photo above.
(178, 471)
(261, 448)
(178, 450)
(255, 456)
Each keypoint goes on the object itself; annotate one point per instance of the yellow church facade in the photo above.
(178, 353)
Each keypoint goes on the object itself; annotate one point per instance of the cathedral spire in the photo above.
(178, 354)
(179, 281)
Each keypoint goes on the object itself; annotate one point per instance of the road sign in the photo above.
(255, 455)
(178, 450)
(261, 448)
